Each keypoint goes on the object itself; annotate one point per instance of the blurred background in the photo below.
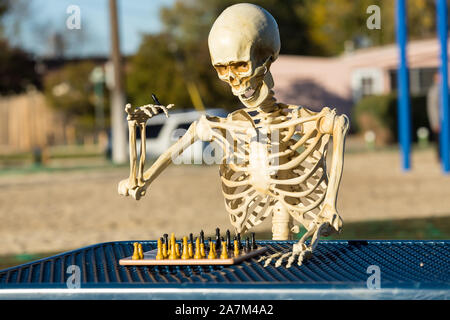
(58, 93)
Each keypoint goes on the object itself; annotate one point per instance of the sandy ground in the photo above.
(48, 212)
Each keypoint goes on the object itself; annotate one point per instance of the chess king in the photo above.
(278, 165)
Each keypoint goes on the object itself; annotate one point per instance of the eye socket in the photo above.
(240, 67)
(221, 69)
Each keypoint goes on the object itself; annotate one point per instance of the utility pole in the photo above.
(118, 123)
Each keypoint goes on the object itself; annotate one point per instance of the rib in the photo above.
(293, 147)
(301, 157)
(310, 207)
(299, 179)
(301, 194)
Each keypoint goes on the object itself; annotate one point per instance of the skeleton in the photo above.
(274, 155)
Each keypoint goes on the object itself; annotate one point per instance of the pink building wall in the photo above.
(316, 82)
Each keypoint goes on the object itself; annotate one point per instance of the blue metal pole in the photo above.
(444, 110)
(404, 114)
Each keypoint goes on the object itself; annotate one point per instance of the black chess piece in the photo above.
(248, 247)
(239, 241)
(202, 237)
(228, 240)
(254, 246)
(218, 238)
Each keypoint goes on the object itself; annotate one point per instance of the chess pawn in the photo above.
(198, 253)
(169, 247)
(140, 251)
(212, 251)
(135, 251)
(185, 251)
(159, 253)
(236, 248)
(173, 250)
(224, 253)
(202, 250)
(172, 242)
(177, 250)
(190, 250)
(164, 250)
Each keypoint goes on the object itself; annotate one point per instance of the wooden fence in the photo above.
(27, 122)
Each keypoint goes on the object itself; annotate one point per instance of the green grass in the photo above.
(7, 261)
(437, 228)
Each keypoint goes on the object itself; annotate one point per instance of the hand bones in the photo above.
(138, 117)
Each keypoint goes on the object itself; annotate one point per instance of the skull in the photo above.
(243, 42)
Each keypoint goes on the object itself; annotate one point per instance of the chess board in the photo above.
(150, 259)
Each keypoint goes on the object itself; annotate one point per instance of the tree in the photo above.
(332, 23)
(166, 62)
(17, 70)
(68, 90)
(162, 67)
(191, 21)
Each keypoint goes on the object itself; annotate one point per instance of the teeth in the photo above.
(248, 93)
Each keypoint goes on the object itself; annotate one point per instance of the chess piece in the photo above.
(236, 248)
(185, 250)
(202, 237)
(165, 251)
(135, 251)
(202, 250)
(224, 253)
(190, 250)
(217, 238)
(212, 251)
(173, 248)
(248, 247)
(159, 253)
(254, 246)
(228, 240)
(198, 253)
(191, 246)
(239, 241)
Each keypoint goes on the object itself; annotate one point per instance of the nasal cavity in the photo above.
(233, 79)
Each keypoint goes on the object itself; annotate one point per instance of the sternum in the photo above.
(258, 166)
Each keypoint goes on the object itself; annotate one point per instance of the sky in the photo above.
(44, 17)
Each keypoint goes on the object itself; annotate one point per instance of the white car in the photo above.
(162, 132)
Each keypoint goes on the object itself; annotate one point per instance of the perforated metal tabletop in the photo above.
(337, 270)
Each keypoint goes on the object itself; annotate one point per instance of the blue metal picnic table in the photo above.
(337, 270)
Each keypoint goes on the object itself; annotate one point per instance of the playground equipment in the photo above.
(403, 86)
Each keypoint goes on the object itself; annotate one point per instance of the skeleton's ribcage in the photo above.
(296, 177)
